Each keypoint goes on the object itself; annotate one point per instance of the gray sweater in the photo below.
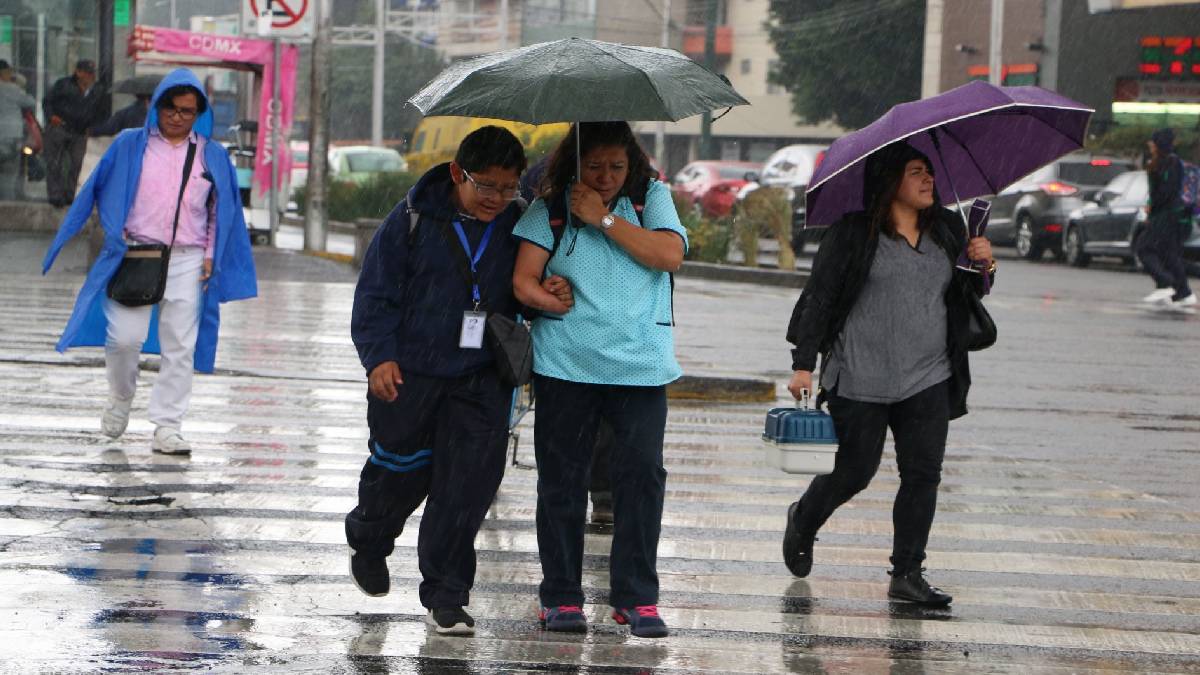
(893, 344)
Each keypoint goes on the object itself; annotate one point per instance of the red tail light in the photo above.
(820, 158)
(1101, 162)
(1053, 227)
(1058, 188)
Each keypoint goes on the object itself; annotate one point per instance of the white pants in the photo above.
(178, 323)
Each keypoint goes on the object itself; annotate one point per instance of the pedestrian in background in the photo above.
(616, 237)
(15, 104)
(71, 106)
(436, 406)
(1160, 247)
(136, 188)
(131, 116)
(885, 308)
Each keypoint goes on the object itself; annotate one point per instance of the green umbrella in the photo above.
(577, 80)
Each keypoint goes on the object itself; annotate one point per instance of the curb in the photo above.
(721, 389)
(746, 275)
(686, 388)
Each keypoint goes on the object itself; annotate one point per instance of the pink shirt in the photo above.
(153, 212)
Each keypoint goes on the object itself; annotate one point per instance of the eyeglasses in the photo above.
(491, 191)
(185, 114)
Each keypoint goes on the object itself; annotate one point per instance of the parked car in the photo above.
(1032, 213)
(712, 186)
(299, 163)
(791, 168)
(357, 163)
(1111, 221)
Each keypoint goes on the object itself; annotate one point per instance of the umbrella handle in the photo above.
(937, 146)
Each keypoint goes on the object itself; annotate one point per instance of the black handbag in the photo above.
(142, 277)
(981, 329)
(512, 347)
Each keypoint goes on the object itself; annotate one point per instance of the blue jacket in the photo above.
(412, 292)
(111, 189)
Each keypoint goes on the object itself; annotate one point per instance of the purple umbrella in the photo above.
(980, 138)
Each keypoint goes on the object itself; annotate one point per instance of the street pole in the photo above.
(105, 75)
(710, 62)
(377, 76)
(274, 119)
(995, 42)
(315, 214)
(503, 24)
(660, 133)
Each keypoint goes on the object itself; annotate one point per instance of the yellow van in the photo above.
(436, 139)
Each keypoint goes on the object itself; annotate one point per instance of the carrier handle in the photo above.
(804, 394)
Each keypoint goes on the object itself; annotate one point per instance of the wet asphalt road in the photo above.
(1068, 526)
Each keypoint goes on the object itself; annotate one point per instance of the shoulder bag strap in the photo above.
(187, 172)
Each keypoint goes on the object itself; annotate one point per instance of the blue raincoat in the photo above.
(111, 189)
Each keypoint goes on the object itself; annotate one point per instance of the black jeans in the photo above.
(1160, 248)
(919, 425)
(565, 427)
(64, 151)
(443, 439)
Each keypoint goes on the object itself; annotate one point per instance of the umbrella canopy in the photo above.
(138, 85)
(981, 138)
(577, 80)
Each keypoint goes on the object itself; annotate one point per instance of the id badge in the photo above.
(472, 330)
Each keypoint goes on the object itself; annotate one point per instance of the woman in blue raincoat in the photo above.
(136, 191)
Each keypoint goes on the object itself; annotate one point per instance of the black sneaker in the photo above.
(450, 621)
(912, 587)
(370, 575)
(797, 547)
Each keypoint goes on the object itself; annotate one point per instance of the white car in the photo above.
(791, 168)
(357, 163)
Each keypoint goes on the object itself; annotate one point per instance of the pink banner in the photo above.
(228, 51)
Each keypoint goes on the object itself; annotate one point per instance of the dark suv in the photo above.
(1032, 213)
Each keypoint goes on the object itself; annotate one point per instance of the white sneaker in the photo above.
(116, 416)
(1189, 301)
(1160, 295)
(168, 441)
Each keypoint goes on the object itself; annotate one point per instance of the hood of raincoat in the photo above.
(182, 76)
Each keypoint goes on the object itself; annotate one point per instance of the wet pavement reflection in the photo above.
(1066, 550)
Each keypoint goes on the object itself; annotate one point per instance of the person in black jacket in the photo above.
(1160, 247)
(132, 116)
(886, 309)
(71, 106)
(436, 407)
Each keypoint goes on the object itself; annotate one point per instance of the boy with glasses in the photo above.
(436, 407)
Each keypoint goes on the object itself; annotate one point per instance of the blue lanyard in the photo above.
(474, 257)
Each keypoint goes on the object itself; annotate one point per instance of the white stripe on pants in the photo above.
(178, 323)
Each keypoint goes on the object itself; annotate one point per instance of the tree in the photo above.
(847, 62)
(407, 68)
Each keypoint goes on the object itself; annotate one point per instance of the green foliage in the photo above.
(708, 239)
(1130, 142)
(847, 61)
(765, 211)
(374, 198)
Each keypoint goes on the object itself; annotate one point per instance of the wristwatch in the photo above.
(608, 221)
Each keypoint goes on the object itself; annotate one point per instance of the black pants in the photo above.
(64, 158)
(1160, 248)
(443, 439)
(919, 425)
(565, 427)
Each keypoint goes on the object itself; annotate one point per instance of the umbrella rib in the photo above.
(646, 76)
(974, 161)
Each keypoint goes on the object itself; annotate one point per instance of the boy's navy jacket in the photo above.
(411, 293)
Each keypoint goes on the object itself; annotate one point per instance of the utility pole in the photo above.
(660, 133)
(504, 25)
(377, 76)
(710, 62)
(315, 213)
(995, 42)
(275, 109)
